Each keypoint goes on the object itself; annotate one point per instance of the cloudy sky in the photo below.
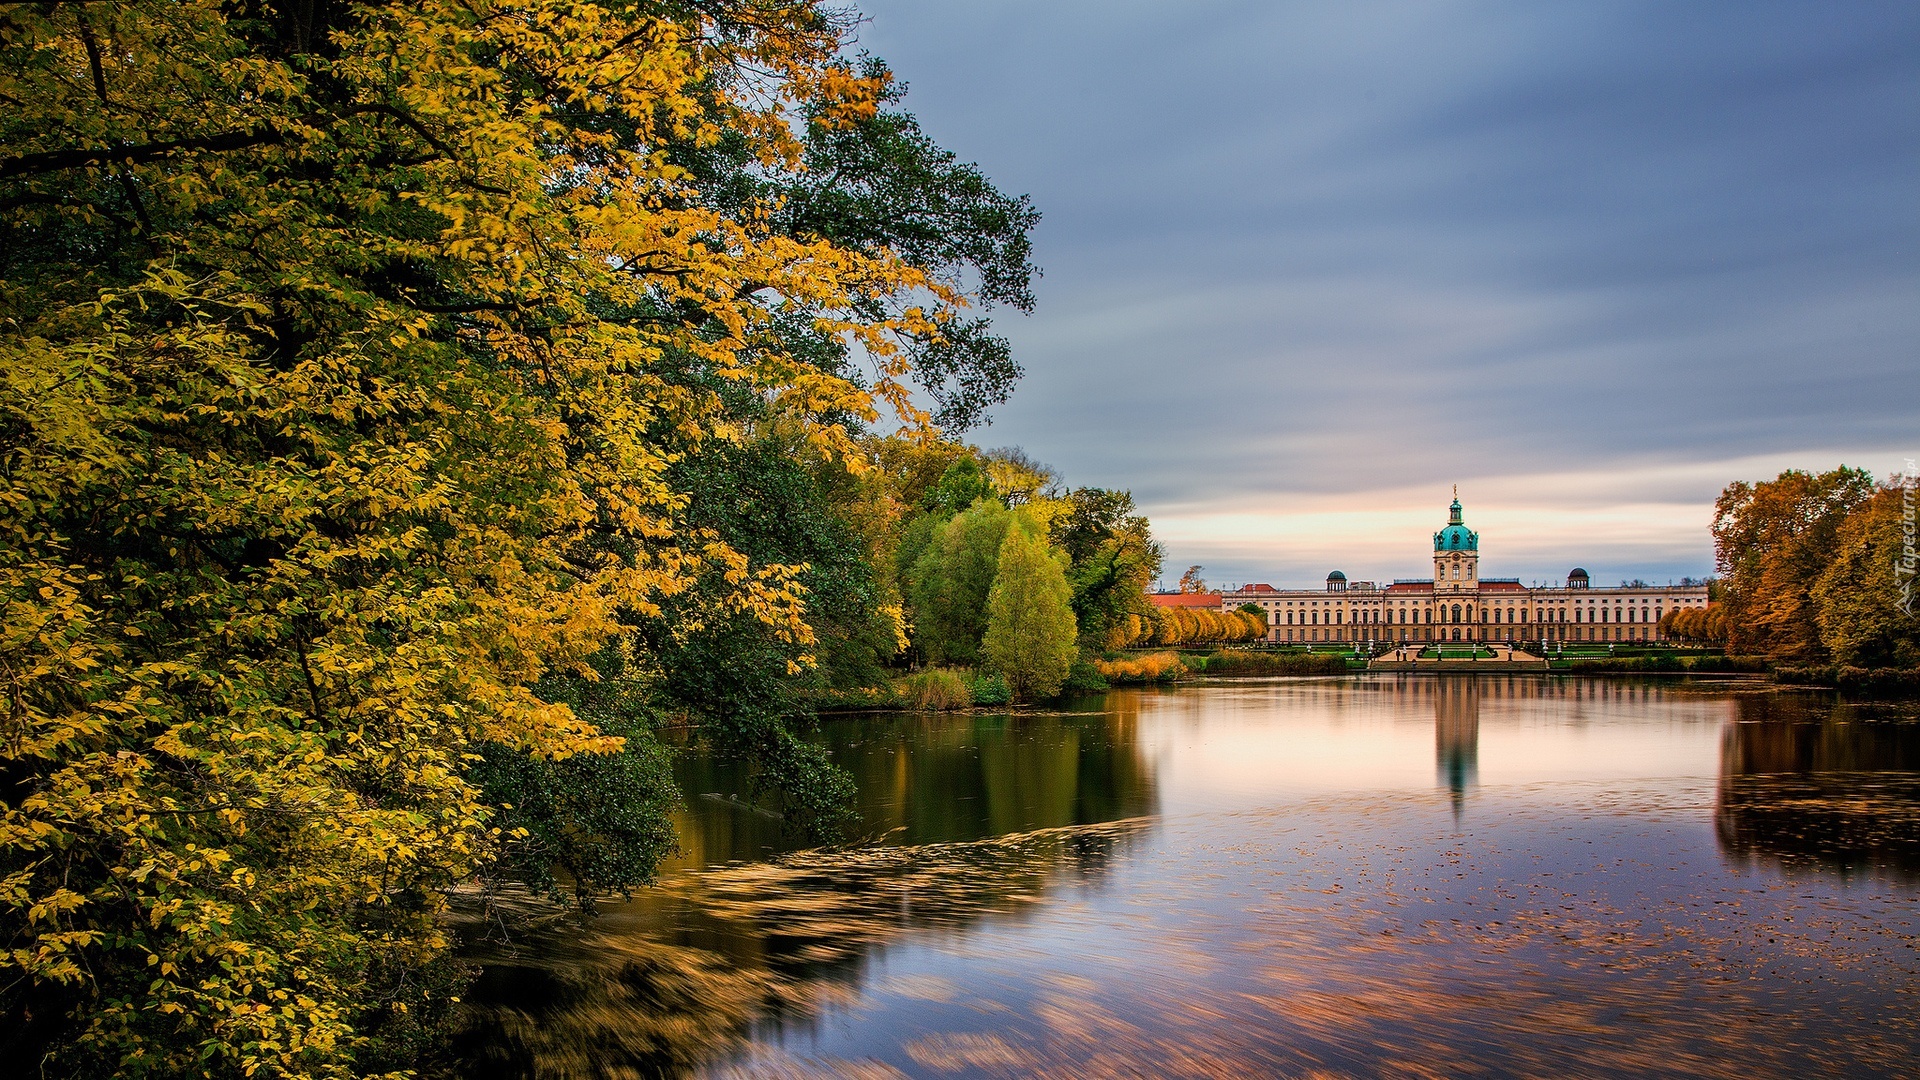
(1309, 265)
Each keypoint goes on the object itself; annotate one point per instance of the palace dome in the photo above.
(1336, 576)
(1456, 536)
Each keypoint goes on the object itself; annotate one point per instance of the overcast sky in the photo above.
(1309, 265)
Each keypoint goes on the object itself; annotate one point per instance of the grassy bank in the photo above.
(1249, 662)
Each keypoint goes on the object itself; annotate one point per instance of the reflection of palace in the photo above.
(1457, 604)
(1810, 786)
(1456, 736)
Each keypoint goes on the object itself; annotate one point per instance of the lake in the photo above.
(1375, 876)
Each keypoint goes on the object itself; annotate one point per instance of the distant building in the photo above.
(1186, 599)
(1457, 604)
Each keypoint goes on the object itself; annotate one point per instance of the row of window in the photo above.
(1558, 633)
(1627, 614)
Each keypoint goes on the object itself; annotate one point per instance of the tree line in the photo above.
(1190, 626)
(1703, 626)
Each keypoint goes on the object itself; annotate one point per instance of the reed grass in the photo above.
(934, 690)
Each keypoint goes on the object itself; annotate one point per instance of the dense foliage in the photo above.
(407, 409)
(1817, 569)
(949, 559)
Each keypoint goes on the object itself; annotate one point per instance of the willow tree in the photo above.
(348, 350)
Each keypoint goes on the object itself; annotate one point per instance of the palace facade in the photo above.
(1458, 604)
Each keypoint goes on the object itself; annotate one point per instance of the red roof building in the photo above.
(1186, 599)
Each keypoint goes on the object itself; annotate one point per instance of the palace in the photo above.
(1458, 604)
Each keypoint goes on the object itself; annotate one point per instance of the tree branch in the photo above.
(48, 161)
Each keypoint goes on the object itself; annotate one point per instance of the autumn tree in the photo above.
(1864, 617)
(1772, 542)
(359, 362)
(1192, 582)
(1172, 626)
(1258, 620)
(1030, 631)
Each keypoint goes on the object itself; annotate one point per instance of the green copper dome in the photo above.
(1456, 536)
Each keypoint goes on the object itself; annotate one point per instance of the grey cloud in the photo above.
(1347, 247)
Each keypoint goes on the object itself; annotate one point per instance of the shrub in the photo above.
(1084, 678)
(1240, 662)
(990, 689)
(1151, 668)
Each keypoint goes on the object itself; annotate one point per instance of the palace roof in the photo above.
(1185, 599)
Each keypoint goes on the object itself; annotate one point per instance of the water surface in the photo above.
(1418, 876)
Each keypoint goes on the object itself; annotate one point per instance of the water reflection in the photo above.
(711, 955)
(1275, 878)
(941, 779)
(1456, 735)
(1811, 785)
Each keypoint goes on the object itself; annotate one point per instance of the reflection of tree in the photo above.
(1456, 735)
(937, 779)
(663, 983)
(981, 815)
(602, 1008)
(1820, 787)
